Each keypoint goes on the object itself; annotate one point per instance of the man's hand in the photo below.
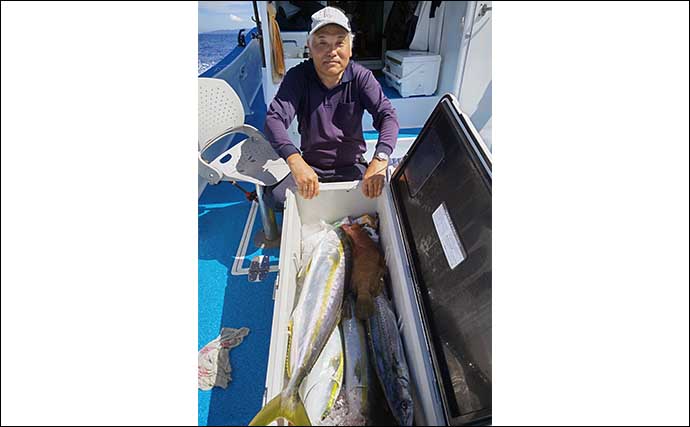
(305, 177)
(374, 178)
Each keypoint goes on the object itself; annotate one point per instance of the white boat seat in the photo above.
(252, 159)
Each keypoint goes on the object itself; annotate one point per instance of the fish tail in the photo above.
(365, 306)
(290, 408)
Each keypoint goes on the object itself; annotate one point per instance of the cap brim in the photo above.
(323, 24)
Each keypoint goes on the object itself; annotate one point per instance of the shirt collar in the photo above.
(348, 74)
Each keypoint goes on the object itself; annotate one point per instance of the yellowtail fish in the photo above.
(315, 316)
(321, 386)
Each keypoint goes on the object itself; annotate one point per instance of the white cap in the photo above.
(329, 15)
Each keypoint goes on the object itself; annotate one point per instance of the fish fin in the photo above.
(336, 383)
(292, 409)
(377, 286)
(365, 306)
(288, 370)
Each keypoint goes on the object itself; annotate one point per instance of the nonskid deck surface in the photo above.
(230, 300)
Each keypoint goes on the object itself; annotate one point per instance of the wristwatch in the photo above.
(381, 156)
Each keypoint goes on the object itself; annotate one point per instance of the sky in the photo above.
(225, 15)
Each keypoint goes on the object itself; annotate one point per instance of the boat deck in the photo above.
(227, 222)
(228, 299)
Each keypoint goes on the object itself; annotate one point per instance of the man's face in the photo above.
(331, 50)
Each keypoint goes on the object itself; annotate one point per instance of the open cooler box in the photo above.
(435, 231)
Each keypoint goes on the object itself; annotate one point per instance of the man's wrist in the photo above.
(377, 166)
(381, 155)
(379, 162)
(380, 158)
(293, 158)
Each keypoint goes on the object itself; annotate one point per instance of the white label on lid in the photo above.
(450, 241)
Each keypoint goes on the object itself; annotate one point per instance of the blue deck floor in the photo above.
(226, 300)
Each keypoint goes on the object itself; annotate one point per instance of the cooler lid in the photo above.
(412, 56)
(442, 194)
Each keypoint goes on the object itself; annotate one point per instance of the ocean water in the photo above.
(214, 46)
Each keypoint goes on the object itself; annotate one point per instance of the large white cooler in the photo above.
(435, 230)
(412, 72)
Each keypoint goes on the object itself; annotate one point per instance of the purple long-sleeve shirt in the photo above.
(330, 120)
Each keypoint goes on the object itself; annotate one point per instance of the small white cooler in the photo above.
(412, 72)
(435, 231)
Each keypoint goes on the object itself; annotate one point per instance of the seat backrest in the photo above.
(219, 109)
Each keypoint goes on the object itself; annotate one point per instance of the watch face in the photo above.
(382, 156)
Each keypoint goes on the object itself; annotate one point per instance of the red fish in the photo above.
(368, 269)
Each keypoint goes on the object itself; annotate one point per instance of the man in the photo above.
(329, 94)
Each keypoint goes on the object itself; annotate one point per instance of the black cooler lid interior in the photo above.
(442, 193)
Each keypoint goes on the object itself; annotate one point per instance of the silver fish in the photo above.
(320, 388)
(358, 372)
(313, 319)
(389, 360)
